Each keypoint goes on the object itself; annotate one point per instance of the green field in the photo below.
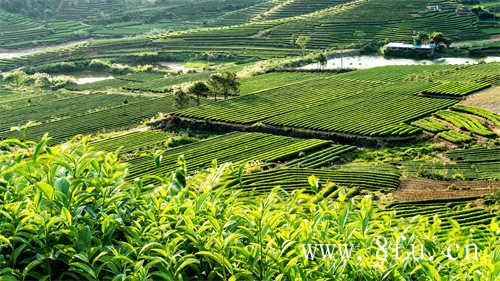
(213, 140)
(332, 103)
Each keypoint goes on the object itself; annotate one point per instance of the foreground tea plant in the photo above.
(67, 213)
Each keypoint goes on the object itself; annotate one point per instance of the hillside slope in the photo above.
(260, 28)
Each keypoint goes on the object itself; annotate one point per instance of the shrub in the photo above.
(67, 213)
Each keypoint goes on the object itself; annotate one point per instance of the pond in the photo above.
(9, 54)
(175, 66)
(86, 80)
(363, 62)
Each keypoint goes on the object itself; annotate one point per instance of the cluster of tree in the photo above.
(482, 13)
(470, 2)
(95, 65)
(225, 84)
(21, 79)
(437, 38)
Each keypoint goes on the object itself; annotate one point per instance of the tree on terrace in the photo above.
(301, 42)
(181, 99)
(199, 89)
(225, 83)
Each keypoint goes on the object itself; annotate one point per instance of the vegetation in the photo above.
(225, 83)
(184, 140)
(465, 122)
(232, 147)
(322, 158)
(113, 118)
(78, 231)
(456, 88)
(454, 136)
(199, 89)
(479, 112)
(329, 103)
(430, 125)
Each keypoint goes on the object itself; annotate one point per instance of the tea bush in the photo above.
(67, 213)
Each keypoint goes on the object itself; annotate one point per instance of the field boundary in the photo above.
(176, 122)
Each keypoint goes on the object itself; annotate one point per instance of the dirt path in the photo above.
(422, 189)
(488, 99)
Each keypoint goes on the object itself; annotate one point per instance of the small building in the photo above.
(406, 46)
(433, 8)
(408, 50)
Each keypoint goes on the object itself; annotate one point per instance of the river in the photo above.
(363, 62)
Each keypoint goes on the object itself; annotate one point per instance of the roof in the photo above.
(410, 46)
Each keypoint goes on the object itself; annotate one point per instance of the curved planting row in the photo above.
(131, 141)
(456, 88)
(375, 112)
(123, 116)
(479, 170)
(50, 107)
(493, 117)
(295, 178)
(300, 7)
(452, 209)
(430, 125)
(466, 122)
(454, 136)
(331, 104)
(233, 147)
(480, 154)
(322, 158)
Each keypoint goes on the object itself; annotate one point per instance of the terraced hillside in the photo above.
(471, 163)
(53, 21)
(451, 211)
(292, 8)
(352, 24)
(294, 179)
(233, 147)
(364, 103)
(64, 115)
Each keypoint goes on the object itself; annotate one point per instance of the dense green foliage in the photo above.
(454, 137)
(236, 163)
(329, 103)
(458, 210)
(54, 21)
(68, 213)
(470, 163)
(466, 122)
(130, 142)
(323, 158)
(128, 114)
(456, 88)
(233, 147)
(262, 29)
(430, 125)
(479, 112)
(295, 179)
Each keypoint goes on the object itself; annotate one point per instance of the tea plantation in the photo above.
(218, 140)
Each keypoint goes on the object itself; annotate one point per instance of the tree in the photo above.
(199, 89)
(181, 99)
(420, 38)
(17, 77)
(42, 80)
(224, 83)
(301, 42)
(439, 39)
(322, 60)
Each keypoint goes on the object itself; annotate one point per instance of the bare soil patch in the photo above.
(488, 99)
(424, 189)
